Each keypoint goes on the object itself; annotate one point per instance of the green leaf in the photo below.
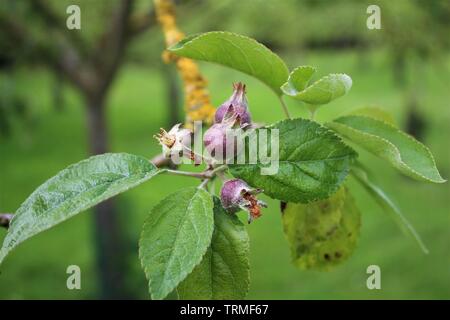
(224, 270)
(322, 91)
(298, 80)
(386, 203)
(174, 238)
(237, 52)
(322, 234)
(375, 113)
(73, 190)
(313, 163)
(401, 150)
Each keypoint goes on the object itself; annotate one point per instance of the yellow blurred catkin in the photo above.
(198, 105)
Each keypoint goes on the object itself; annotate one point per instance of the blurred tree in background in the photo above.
(90, 61)
(408, 38)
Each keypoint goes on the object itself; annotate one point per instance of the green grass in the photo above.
(37, 269)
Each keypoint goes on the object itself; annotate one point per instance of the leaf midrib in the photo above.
(43, 227)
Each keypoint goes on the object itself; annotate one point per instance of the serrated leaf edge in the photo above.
(289, 84)
(298, 94)
(4, 254)
(194, 37)
(183, 273)
(403, 223)
(352, 155)
(396, 151)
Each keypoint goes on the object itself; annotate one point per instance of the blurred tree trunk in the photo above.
(91, 70)
(173, 95)
(98, 143)
(58, 92)
(415, 125)
(111, 256)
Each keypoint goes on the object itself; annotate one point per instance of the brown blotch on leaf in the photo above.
(331, 231)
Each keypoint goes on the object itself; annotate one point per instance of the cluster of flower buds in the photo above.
(236, 195)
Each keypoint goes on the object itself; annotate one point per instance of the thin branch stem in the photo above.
(285, 109)
(312, 111)
(203, 184)
(205, 175)
(160, 161)
(219, 169)
(213, 186)
(200, 175)
(221, 175)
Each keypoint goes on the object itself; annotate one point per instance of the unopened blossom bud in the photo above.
(174, 140)
(236, 105)
(217, 142)
(236, 195)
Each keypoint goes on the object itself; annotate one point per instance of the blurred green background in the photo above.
(402, 68)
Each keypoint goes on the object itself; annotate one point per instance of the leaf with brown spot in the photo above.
(324, 233)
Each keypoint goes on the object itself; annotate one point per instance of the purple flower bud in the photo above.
(236, 105)
(236, 195)
(215, 140)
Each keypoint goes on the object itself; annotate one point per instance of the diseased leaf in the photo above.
(401, 150)
(322, 91)
(224, 270)
(322, 234)
(313, 163)
(73, 190)
(238, 52)
(174, 238)
(386, 203)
